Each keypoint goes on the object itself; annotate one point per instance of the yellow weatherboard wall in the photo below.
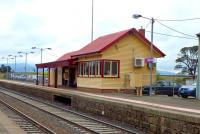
(124, 50)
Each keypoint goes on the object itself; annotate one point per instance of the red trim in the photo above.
(54, 64)
(140, 36)
(89, 49)
(49, 69)
(37, 77)
(56, 77)
(102, 68)
(98, 46)
(118, 68)
(82, 68)
(88, 69)
(43, 76)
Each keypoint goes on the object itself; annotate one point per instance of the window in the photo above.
(107, 69)
(80, 69)
(114, 68)
(111, 68)
(93, 68)
(97, 68)
(85, 68)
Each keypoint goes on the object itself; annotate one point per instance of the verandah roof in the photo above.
(64, 60)
(53, 64)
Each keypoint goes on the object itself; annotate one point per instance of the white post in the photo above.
(92, 20)
(15, 63)
(25, 62)
(151, 56)
(7, 69)
(198, 70)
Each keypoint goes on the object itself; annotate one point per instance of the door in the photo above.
(72, 77)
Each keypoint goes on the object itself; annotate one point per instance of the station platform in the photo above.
(7, 126)
(150, 114)
(175, 103)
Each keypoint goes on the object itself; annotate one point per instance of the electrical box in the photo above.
(138, 62)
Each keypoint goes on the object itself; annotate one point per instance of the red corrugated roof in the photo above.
(104, 42)
(99, 45)
(67, 56)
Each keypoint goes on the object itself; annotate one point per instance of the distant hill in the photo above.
(32, 68)
(166, 72)
(20, 67)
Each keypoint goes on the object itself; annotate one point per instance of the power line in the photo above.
(178, 19)
(52, 55)
(173, 35)
(175, 29)
(147, 24)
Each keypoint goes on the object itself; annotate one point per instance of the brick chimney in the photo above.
(142, 31)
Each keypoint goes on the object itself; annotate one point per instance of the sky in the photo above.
(65, 25)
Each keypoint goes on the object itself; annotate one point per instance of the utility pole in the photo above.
(92, 20)
(198, 70)
(25, 53)
(136, 16)
(15, 57)
(151, 56)
(41, 51)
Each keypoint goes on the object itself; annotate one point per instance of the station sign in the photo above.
(149, 60)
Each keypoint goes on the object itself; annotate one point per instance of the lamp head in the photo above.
(33, 47)
(136, 16)
(49, 48)
(198, 35)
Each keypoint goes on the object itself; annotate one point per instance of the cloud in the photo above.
(65, 25)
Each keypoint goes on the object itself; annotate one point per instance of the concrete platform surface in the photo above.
(178, 104)
(175, 103)
(7, 126)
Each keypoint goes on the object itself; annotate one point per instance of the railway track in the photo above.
(29, 125)
(83, 123)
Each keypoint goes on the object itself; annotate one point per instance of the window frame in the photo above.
(111, 67)
(98, 70)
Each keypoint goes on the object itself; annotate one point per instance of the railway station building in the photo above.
(110, 63)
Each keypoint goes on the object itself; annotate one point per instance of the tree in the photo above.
(187, 60)
(3, 68)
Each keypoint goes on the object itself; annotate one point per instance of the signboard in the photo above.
(149, 60)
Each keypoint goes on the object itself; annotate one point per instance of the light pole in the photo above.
(15, 57)
(25, 53)
(136, 16)
(41, 50)
(7, 65)
(198, 67)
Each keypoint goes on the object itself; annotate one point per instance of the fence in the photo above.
(181, 79)
(25, 77)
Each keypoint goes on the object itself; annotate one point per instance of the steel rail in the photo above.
(37, 124)
(73, 112)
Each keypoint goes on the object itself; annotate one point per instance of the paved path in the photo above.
(7, 126)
